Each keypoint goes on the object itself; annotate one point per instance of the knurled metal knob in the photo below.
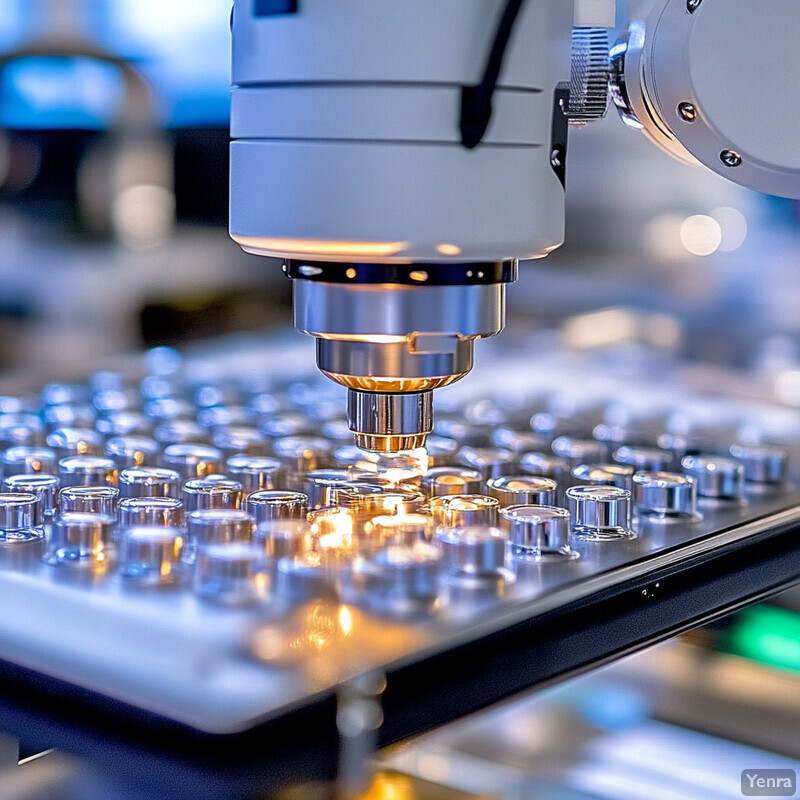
(474, 551)
(390, 421)
(664, 494)
(600, 512)
(762, 463)
(717, 477)
(536, 531)
(515, 490)
(588, 96)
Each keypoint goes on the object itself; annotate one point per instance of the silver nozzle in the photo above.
(389, 422)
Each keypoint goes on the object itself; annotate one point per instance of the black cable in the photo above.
(476, 101)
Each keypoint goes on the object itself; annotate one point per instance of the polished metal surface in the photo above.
(536, 531)
(515, 490)
(600, 512)
(359, 310)
(664, 494)
(390, 422)
(357, 362)
(150, 556)
(149, 482)
(717, 477)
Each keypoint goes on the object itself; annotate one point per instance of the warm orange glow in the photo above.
(321, 247)
(448, 249)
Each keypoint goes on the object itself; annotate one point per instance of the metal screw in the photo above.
(730, 158)
(688, 112)
(693, 5)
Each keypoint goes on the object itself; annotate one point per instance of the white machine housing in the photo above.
(715, 82)
(345, 117)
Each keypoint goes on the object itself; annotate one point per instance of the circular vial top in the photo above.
(537, 529)
(664, 494)
(460, 510)
(513, 490)
(717, 477)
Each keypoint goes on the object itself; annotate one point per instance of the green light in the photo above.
(769, 635)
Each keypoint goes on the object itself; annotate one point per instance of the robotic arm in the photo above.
(401, 157)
